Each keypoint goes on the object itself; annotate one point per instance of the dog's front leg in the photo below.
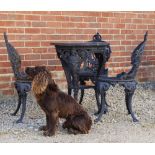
(52, 123)
(45, 127)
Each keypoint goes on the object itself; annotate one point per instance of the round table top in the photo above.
(88, 43)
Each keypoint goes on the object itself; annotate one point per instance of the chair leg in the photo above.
(23, 102)
(128, 98)
(18, 106)
(100, 89)
(22, 89)
(97, 102)
(126, 102)
(75, 85)
(103, 107)
(81, 97)
(76, 90)
(69, 91)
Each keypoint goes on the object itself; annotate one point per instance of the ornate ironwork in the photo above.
(127, 80)
(135, 61)
(97, 37)
(22, 82)
(82, 62)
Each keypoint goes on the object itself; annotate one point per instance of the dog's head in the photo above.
(41, 78)
(33, 71)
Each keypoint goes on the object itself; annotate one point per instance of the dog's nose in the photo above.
(28, 70)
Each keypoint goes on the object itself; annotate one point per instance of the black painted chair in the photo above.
(127, 80)
(22, 83)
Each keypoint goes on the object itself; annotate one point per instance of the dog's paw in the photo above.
(43, 128)
(48, 133)
(73, 131)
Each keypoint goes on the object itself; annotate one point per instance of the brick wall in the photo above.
(32, 32)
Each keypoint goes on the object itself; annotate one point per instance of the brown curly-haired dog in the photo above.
(56, 104)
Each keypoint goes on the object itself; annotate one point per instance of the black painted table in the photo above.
(83, 61)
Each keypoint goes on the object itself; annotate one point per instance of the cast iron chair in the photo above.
(127, 80)
(22, 83)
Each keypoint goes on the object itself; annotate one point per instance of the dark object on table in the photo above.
(22, 83)
(127, 80)
(83, 61)
(57, 104)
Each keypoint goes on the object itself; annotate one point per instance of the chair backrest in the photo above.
(135, 61)
(136, 58)
(14, 58)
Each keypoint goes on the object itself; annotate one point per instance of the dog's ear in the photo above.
(28, 69)
(40, 83)
(43, 67)
(40, 68)
(30, 72)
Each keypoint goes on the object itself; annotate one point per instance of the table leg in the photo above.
(75, 85)
(68, 76)
(81, 97)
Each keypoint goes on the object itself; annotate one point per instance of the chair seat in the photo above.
(85, 86)
(113, 79)
(86, 74)
(23, 81)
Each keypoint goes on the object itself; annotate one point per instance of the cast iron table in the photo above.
(83, 61)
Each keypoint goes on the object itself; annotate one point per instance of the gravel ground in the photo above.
(116, 126)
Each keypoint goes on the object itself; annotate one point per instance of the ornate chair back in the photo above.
(14, 58)
(135, 60)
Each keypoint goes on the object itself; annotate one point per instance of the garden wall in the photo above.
(31, 34)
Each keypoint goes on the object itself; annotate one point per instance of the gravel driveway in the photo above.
(116, 126)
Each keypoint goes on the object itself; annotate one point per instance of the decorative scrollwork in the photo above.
(15, 60)
(22, 87)
(102, 86)
(97, 37)
(135, 61)
(14, 57)
(84, 60)
(130, 86)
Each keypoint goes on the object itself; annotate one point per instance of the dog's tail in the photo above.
(82, 123)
